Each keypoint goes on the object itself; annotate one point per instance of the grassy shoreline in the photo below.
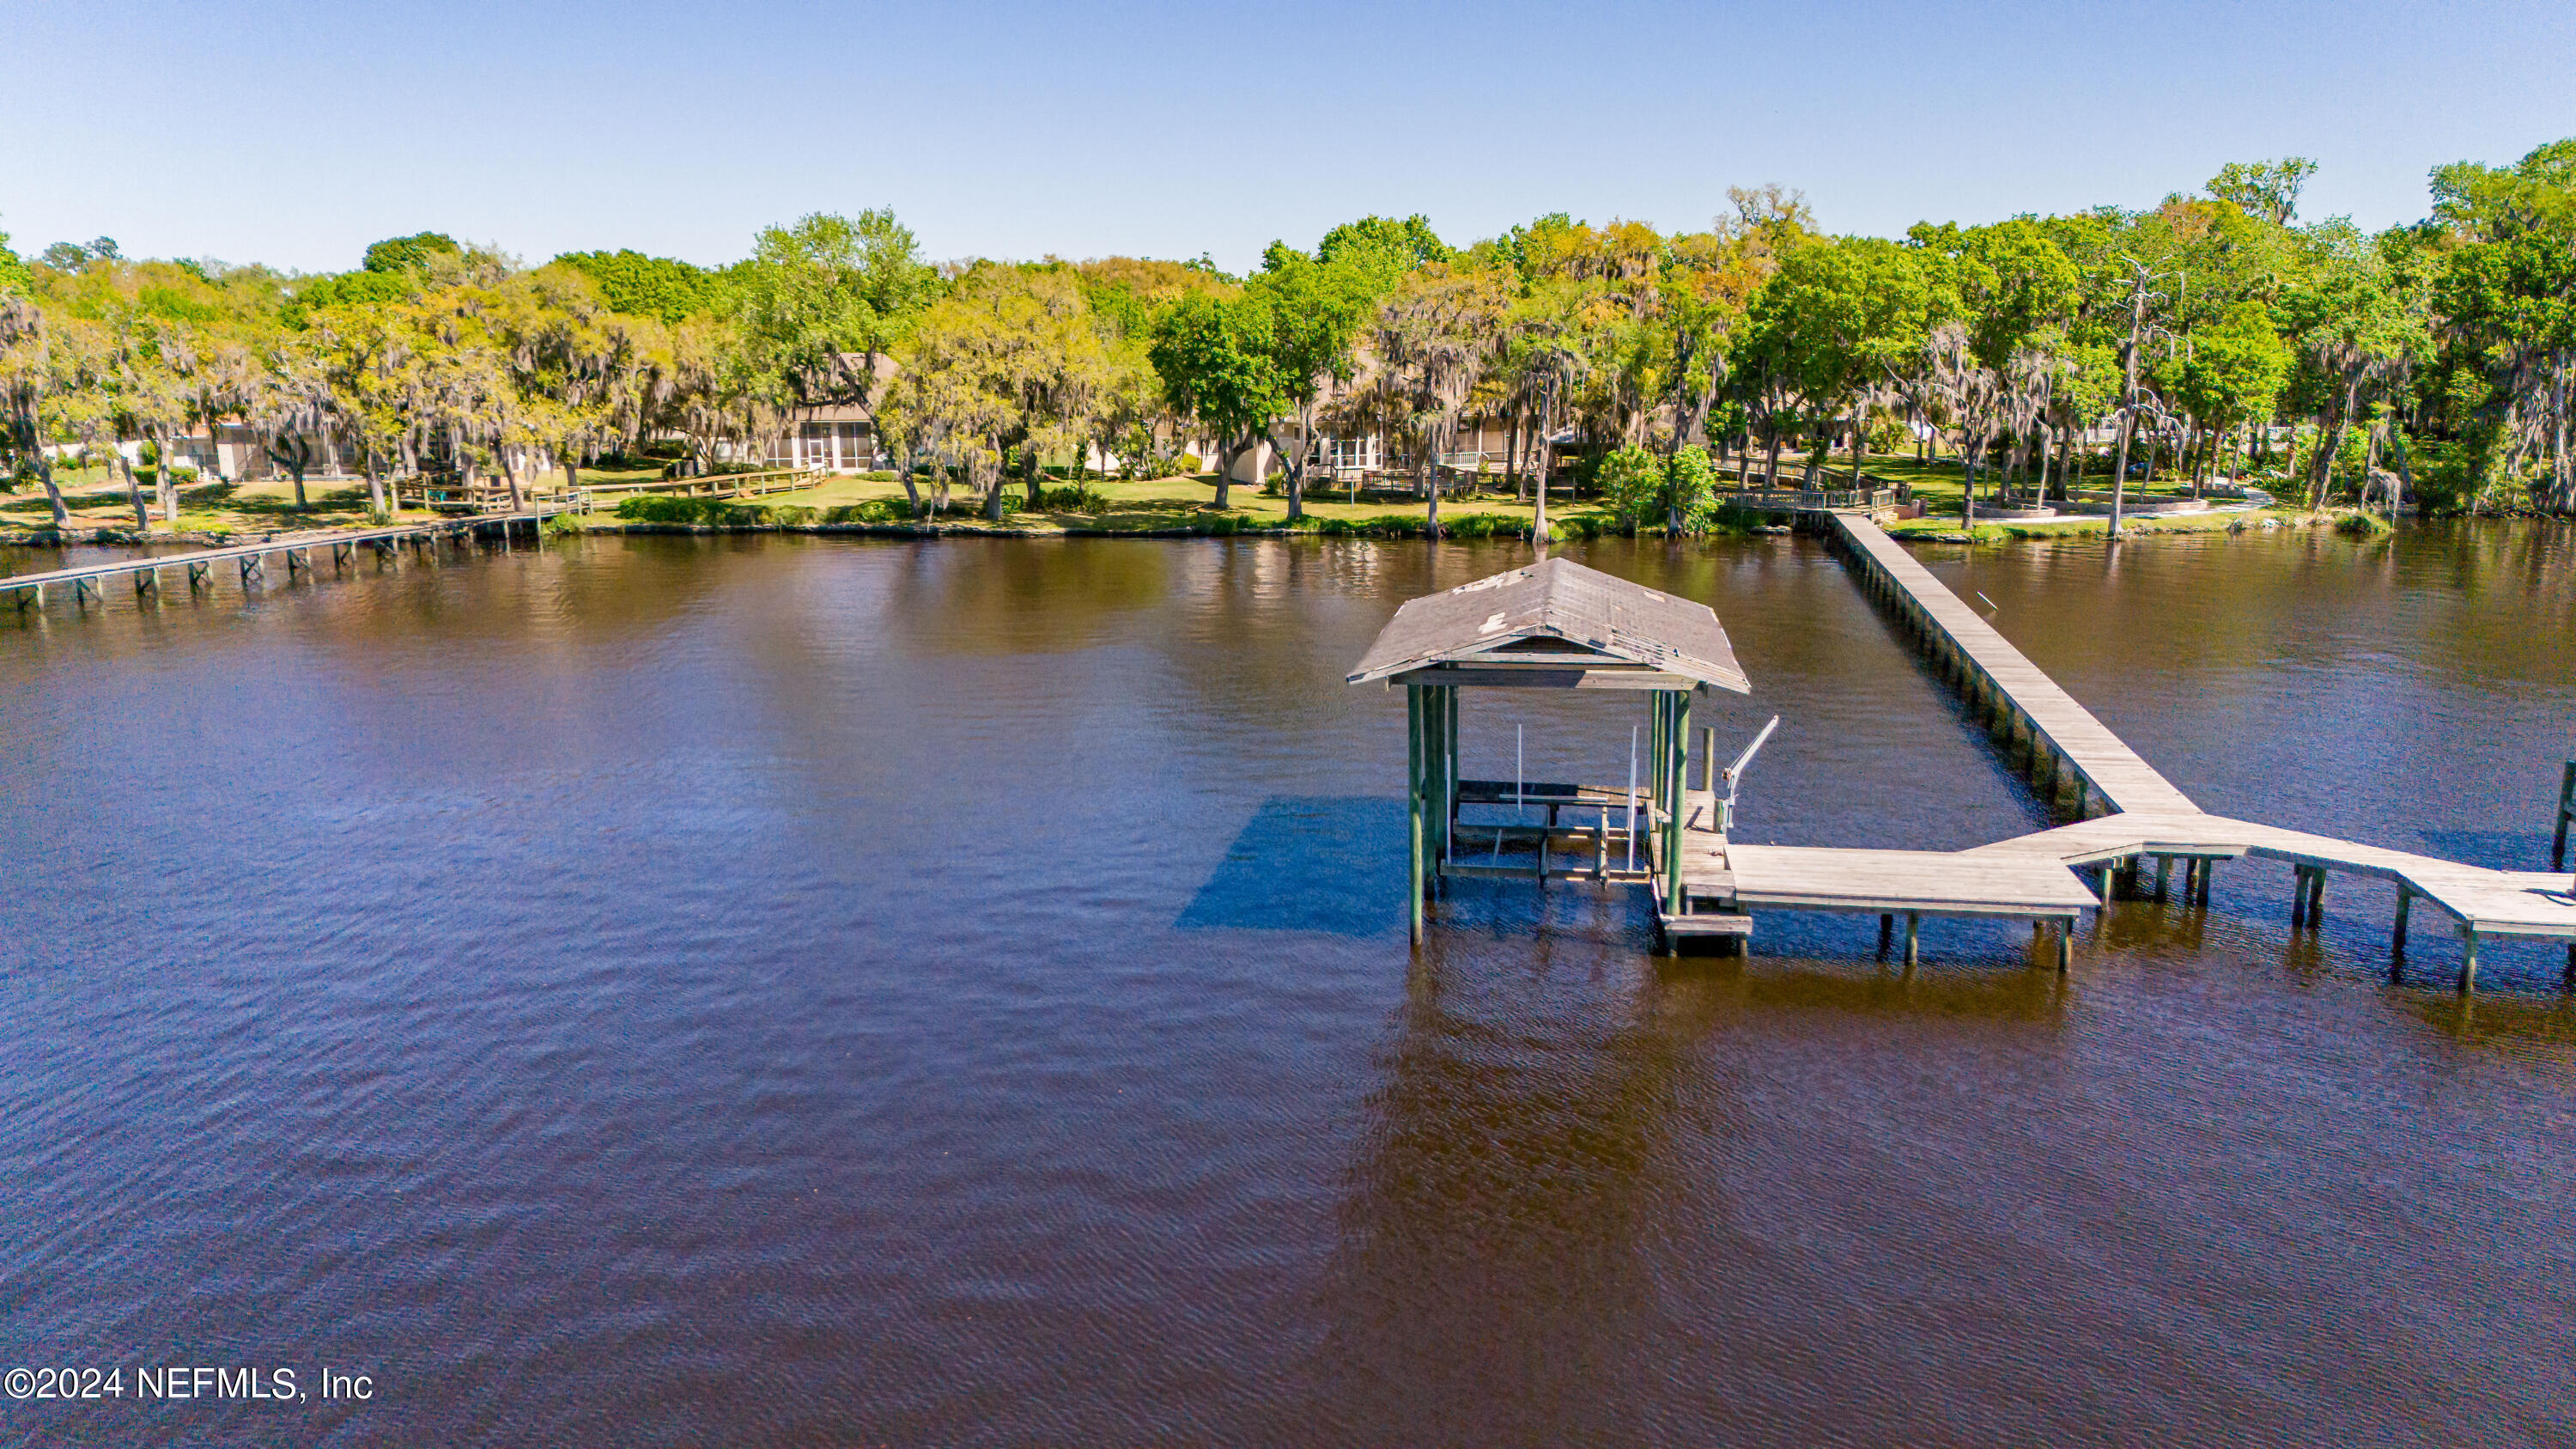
(1177, 507)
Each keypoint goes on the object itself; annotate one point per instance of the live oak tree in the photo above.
(1433, 338)
(1839, 324)
(1316, 312)
(1218, 358)
(820, 302)
(1011, 357)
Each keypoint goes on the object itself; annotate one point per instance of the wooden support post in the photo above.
(2468, 958)
(2299, 900)
(2567, 977)
(1413, 782)
(2208, 868)
(1655, 722)
(1887, 932)
(1546, 837)
(1449, 771)
(296, 562)
(86, 589)
(2316, 897)
(2164, 878)
(1435, 760)
(1673, 826)
(251, 567)
(1913, 923)
(2397, 938)
(2566, 808)
(2083, 796)
(2065, 944)
(31, 595)
(2105, 890)
(146, 581)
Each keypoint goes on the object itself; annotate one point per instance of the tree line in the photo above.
(2214, 333)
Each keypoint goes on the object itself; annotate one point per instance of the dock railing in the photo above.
(1789, 500)
(716, 485)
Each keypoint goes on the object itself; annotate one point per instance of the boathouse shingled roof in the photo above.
(1519, 615)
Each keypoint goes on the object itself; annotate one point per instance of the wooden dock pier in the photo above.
(2123, 814)
(87, 583)
(2142, 817)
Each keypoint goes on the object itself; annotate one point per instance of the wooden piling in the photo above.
(1673, 823)
(1413, 781)
(2397, 938)
(2566, 808)
(1913, 924)
(2468, 959)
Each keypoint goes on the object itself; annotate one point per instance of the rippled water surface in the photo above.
(797, 991)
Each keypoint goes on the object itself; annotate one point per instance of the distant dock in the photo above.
(87, 583)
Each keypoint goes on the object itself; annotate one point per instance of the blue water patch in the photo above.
(1330, 863)
(2494, 849)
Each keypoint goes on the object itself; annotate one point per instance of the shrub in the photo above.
(1072, 498)
(793, 515)
(1485, 525)
(709, 512)
(1734, 518)
(875, 510)
(2363, 525)
(1689, 481)
(879, 475)
(659, 508)
(1187, 463)
(1632, 485)
(564, 525)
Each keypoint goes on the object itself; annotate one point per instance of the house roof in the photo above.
(1555, 613)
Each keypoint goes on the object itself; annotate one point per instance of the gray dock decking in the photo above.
(2146, 816)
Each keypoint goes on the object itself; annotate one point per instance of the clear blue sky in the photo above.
(294, 132)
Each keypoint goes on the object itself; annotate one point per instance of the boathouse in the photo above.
(1558, 625)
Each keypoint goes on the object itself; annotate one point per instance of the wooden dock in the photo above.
(2126, 817)
(2034, 714)
(87, 583)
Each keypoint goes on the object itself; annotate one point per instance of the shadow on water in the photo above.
(1309, 863)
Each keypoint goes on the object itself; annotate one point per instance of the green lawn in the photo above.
(1161, 503)
(96, 499)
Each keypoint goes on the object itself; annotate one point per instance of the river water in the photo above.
(791, 991)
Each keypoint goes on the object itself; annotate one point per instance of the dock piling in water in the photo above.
(2566, 810)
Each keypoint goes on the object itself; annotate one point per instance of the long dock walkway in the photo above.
(251, 559)
(2143, 816)
(1986, 667)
